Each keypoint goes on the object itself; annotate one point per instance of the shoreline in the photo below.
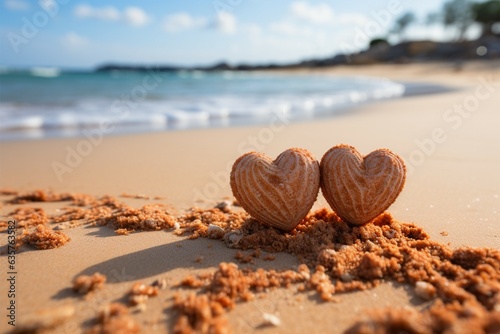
(452, 193)
(63, 132)
(425, 78)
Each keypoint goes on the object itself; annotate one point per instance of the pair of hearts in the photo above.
(280, 193)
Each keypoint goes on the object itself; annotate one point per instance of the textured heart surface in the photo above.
(360, 188)
(277, 193)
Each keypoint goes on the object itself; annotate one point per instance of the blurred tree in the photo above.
(402, 24)
(376, 42)
(487, 14)
(434, 18)
(456, 14)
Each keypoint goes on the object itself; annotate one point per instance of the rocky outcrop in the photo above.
(412, 51)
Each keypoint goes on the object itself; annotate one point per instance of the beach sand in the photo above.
(450, 142)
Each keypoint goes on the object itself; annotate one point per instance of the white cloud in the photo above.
(226, 23)
(323, 14)
(183, 21)
(307, 29)
(286, 27)
(16, 5)
(108, 13)
(350, 18)
(253, 30)
(320, 13)
(134, 16)
(48, 5)
(74, 41)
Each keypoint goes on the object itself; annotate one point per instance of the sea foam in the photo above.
(49, 102)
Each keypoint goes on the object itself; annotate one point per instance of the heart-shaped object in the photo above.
(360, 188)
(277, 193)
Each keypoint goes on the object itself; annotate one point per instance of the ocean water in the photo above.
(47, 102)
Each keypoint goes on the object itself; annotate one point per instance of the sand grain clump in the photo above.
(45, 320)
(114, 318)
(151, 217)
(44, 238)
(25, 218)
(50, 196)
(140, 293)
(84, 284)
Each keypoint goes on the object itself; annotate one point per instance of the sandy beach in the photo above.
(449, 141)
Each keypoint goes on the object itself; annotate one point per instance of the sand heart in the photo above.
(278, 193)
(360, 188)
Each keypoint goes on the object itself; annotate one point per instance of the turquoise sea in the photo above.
(48, 102)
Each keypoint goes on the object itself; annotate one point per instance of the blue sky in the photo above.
(83, 34)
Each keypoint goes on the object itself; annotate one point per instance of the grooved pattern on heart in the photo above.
(278, 193)
(360, 188)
